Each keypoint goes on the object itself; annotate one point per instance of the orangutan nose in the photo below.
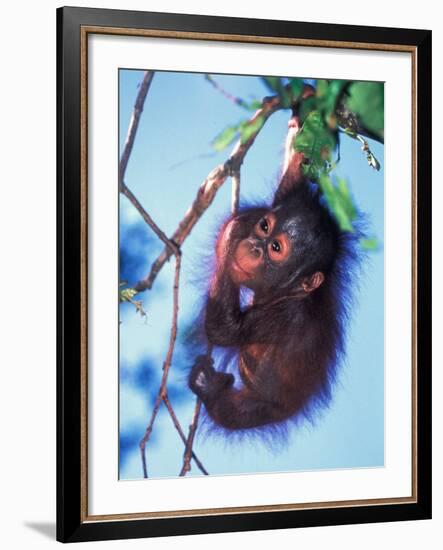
(255, 250)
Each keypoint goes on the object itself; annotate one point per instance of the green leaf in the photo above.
(336, 88)
(322, 88)
(311, 170)
(254, 105)
(225, 138)
(127, 294)
(329, 102)
(316, 141)
(276, 84)
(246, 129)
(350, 133)
(346, 199)
(273, 83)
(306, 107)
(369, 244)
(250, 127)
(296, 86)
(327, 95)
(339, 200)
(366, 101)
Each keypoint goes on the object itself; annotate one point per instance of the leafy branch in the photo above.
(205, 195)
(127, 295)
(208, 189)
(355, 109)
(248, 106)
(336, 106)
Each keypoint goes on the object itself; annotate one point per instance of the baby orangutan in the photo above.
(294, 257)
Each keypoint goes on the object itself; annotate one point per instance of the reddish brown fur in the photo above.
(289, 339)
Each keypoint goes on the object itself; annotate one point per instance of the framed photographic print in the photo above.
(244, 274)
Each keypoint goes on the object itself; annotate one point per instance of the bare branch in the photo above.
(204, 198)
(181, 433)
(208, 190)
(133, 124)
(190, 441)
(193, 428)
(148, 432)
(235, 196)
(237, 100)
(166, 365)
(147, 218)
(174, 249)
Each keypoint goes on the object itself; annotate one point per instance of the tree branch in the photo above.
(166, 365)
(133, 124)
(190, 441)
(236, 100)
(208, 190)
(235, 192)
(193, 428)
(181, 433)
(147, 218)
(173, 249)
(347, 119)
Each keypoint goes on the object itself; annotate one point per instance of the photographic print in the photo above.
(244, 271)
(251, 274)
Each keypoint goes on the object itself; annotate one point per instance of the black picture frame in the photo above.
(72, 522)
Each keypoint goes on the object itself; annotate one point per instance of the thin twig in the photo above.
(237, 100)
(208, 190)
(190, 441)
(174, 249)
(193, 428)
(235, 192)
(204, 198)
(133, 124)
(147, 218)
(235, 201)
(148, 432)
(181, 433)
(166, 365)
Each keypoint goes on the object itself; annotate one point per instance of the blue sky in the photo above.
(171, 157)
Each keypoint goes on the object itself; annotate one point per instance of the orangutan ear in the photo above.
(313, 282)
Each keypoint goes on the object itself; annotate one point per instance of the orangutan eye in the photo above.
(264, 225)
(276, 246)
